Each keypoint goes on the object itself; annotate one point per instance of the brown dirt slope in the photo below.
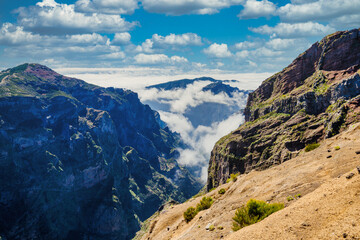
(328, 209)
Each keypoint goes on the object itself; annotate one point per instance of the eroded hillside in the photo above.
(327, 209)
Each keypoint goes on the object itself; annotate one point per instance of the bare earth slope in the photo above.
(328, 209)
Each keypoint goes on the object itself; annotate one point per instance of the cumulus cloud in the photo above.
(247, 45)
(121, 38)
(107, 6)
(158, 59)
(256, 9)
(295, 30)
(50, 17)
(186, 39)
(173, 41)
(180, 7)
(15, 35)
(218, 50)
(304, 11)
(281, 44)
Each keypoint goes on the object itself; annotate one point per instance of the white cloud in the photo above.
(218, 50)
(15, 35)
(173, 41)
(247, 45)
(296, 30)
(158, 59)
(151, 58)
(53, 18)
(121, 38)
(92, 39)
(318, 10)
(107, 6)
(186, 39)
(280, 44)
(256, 9)
(146, 47)
(200, 139)
(114, 55)
(180, 7)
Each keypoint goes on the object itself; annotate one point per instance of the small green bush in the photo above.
(297, 196)
(189, 214)
(205, 203)
(222, 191)
(311, 147)
(337, 148)
(290, 198)
(211, 228)
(233, 177)
(253, 212)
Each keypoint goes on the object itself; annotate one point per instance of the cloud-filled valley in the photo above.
(200, 117)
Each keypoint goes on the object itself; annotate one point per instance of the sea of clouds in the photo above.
(174, 104)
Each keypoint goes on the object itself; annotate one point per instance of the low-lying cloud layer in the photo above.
(199, 139)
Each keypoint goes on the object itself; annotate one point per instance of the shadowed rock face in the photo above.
(313, 98)
(79, 161)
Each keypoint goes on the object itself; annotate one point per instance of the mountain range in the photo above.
(79, 161)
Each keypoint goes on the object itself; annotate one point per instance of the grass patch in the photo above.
(253, 212)
(311, 147)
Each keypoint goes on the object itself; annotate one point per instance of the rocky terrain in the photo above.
(79, 161)
(326, 181)
(315, 97)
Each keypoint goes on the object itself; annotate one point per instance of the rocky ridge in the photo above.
(80, 161)
(315, 97)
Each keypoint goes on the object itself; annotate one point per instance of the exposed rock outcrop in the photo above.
(79, 161)
(315, 97)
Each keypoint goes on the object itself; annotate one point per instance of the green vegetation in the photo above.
(290, 198)
(211, 228)
(233, 177)
(191, 212)
(220, 227)
(222, 191)
(311, 147)
(205, 203)
(253, 212)
(337, 148)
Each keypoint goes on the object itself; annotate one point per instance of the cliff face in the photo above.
(80, 161)
(315, 97)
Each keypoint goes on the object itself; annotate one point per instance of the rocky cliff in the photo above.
(78, 161)
(315, 97)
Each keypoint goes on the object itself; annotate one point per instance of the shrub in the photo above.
(253, 212)
(211, 228)
(233, 177)
(337, 148)
(205, 203)
(297, 196)
(290, 198)
(311, 147)
(222, 191)
(189, 214)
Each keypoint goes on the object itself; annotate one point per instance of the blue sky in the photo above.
(168, 37)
